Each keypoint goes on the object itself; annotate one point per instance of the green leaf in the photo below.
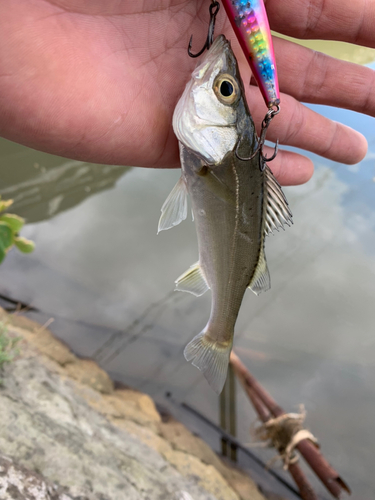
(2, 254)
(6, 236)
(4, 204)
(24, 245)
(13, 221)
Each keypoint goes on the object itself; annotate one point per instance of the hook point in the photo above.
(264, 157)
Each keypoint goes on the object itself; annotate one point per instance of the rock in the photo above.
(147, 436)
(142, 401)
(18, 483)
(41, 338)
(87, 372)
(48, 428)
(208, 477)
(243, 485)
(183, 440)
(124, 405)
(72, 436)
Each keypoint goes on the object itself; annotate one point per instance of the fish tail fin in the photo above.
(211, 357)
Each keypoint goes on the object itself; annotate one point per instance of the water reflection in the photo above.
(42, 186)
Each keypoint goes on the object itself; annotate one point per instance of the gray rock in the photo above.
(18, 483)
(47, 428)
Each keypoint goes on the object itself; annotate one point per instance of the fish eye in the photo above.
(226, 89)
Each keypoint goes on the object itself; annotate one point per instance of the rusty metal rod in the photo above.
(325, 472)
(305, 488)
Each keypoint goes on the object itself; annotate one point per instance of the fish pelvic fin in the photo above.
(174, 209)
(211, 357)
(261, 281)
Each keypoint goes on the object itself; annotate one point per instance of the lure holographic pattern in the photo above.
(250, 23)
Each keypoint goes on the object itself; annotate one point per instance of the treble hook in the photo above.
(214, 9)
(271, 113)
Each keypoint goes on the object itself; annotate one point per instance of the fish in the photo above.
(250, 23)
(235, 202)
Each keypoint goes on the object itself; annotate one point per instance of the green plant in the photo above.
(8, 346)
(10, 226)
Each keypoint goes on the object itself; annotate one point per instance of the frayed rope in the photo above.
(284, 433)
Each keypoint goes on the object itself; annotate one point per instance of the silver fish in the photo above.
(235, 203)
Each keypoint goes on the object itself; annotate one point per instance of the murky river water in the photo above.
(310, 340)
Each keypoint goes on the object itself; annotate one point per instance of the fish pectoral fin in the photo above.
(174, 209)
(192, 281)
(278, 212)
(260, 281)
(211, 357)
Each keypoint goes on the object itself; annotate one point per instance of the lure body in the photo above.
(250, 23)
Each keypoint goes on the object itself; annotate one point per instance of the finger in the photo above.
(299, 126)
(290, 168)
(314, 77)
(346, 20)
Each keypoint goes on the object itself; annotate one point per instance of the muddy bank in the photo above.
(67, 433)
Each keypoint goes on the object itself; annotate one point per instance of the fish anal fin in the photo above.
(261, 281)
(277, 211)
(210, 357)
(174, 209)
(192, 281)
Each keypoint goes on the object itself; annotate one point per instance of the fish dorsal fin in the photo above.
(260, 281)
(174, 209)
(192, 281)
(278, 212)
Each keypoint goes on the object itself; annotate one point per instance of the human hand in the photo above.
(98, 80)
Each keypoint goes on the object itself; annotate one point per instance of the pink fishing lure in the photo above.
(250, 23)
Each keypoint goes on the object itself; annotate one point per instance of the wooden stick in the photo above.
(308, 450)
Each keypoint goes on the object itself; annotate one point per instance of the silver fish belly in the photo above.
(235, 203)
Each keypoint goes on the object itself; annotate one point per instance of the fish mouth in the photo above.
(219, 45)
